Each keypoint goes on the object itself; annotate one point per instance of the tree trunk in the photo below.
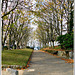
(50, 44)
(53, 44)
(17, 45)
(71, 19)
(10, 40)
(2, 35)
(40, 44)
(67, 54)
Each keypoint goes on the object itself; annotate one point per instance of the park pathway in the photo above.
(46, 64)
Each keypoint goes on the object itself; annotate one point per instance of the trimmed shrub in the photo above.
(66, 41)
(27, 47)
(5, 48)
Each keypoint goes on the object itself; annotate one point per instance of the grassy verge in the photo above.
(58, 47)
(16, 57)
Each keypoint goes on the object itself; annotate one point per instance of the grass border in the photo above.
(17, 66)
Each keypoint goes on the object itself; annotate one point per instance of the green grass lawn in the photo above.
(16, 57)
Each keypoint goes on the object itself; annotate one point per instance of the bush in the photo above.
(52, 51)
(66, 41)
(27, 47)
(60, 38)
(5, 47)
(31, 47)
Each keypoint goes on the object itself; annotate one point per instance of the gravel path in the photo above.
(46, 64)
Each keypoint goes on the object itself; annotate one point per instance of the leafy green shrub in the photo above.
(5, 47)
(50, 51)
(60, 38)
(66, 41)
(31, 47)
(58, 47)
(27, 47)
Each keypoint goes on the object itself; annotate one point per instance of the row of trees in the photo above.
(16, 22)
(54, 18)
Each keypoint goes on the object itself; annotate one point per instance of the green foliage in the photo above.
(60, 38)
(50, 51)
(58, 47)
(66, 41)
(5, 47)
